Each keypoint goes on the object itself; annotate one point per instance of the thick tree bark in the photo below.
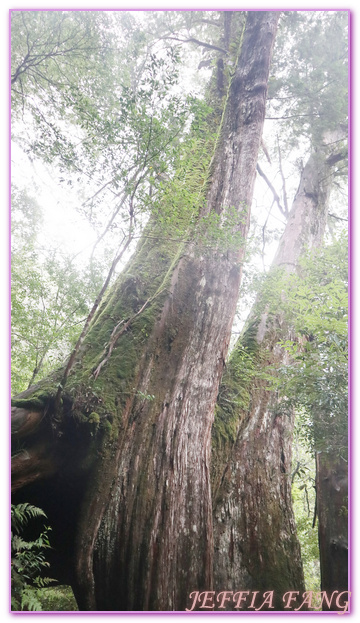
(256, 546)
(143, 393)
(332, 509)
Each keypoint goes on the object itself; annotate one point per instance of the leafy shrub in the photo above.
(27, 559)
(57, 599)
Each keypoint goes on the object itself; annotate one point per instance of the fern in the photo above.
(30, 599)
(21, 513)
(43, 582)
(27, 559)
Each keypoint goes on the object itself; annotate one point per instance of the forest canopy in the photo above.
(179, 272)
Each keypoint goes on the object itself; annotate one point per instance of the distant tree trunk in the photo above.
(131, 444)
(255, 542)
(332, 509)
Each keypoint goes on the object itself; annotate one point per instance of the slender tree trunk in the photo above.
(256, 546)
(147, 384)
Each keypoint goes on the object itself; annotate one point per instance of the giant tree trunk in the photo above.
(136, 416)
(256, 546)
(332, 509)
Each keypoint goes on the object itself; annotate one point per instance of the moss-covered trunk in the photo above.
(141, 397)
(332, 509)
(256, 546)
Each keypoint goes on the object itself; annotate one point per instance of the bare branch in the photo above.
(116, 334)
(202, 44)
(275, 195)
(292, 117)
(334, 158)
(286, 206)
(338, 218)
(207, 21)
(263, 235)
(88, 321)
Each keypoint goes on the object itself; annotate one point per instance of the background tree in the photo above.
(50, 296)
(318, 385)
(253, 430)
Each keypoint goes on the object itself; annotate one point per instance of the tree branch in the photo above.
(338, 218)
(116, 334)
(207, 21)
(334, 158)
(286, 207)
(87, 322)
(283, 211)
(202, 44)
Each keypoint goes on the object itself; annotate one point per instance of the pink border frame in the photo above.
(351, 253)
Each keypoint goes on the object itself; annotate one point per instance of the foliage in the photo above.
(309, 90)
(234, 394)
(50, 297)
(21, 514)
(112, 124)
(307, 104)
(314, 302)
(179, 200)
(57, 599)
(304, 500)
(27, 559)
(45, 45)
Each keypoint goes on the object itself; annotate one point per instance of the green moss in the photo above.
(109, 392)
(234, 396)
(31, 403)
(94, 418)
(107, 427)
(37, 401)
(101, 402)
(57, 599)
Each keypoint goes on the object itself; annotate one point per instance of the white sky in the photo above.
(63, 226)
